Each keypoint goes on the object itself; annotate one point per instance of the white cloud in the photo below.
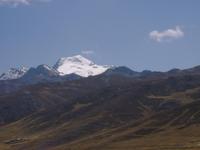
(18, 2)
(87, 52)
(167, 35)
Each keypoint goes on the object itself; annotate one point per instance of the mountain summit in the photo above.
(78, 65)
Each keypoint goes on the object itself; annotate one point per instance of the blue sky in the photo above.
(141, 34)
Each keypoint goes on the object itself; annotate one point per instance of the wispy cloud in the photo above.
(87, 52)
(167, 35)
(20, 2)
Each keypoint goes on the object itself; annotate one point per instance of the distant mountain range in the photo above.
(78, 65)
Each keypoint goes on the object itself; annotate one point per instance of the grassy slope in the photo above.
(100, 125)
(113, 139)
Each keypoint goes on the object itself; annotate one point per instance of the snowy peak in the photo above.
(78, 59)
(78, 65)
(14, 73)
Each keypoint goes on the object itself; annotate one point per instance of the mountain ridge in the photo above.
(77, 64)
(83, 67)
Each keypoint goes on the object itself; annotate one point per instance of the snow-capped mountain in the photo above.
(14, 73)
(78, 65)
